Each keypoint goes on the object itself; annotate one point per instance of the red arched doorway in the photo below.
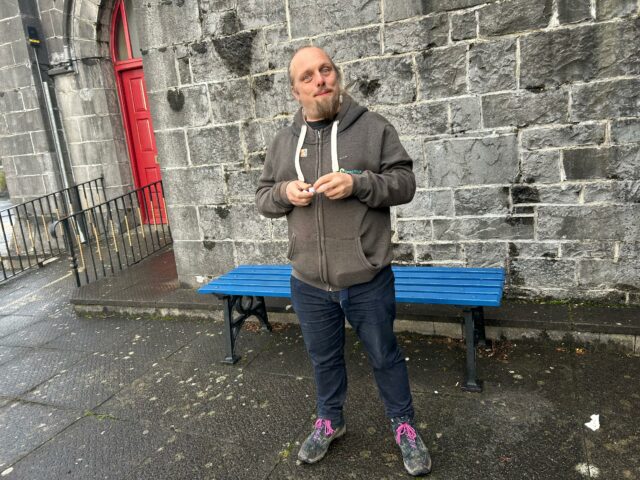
(134, 105)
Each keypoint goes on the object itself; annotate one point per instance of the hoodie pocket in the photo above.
(346, 262)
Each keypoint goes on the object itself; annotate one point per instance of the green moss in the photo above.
(3, 182)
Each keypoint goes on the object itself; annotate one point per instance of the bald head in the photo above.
(296, 56)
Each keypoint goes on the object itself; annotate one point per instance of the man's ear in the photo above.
(295, 92)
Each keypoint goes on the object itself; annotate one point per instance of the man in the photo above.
(334, 173)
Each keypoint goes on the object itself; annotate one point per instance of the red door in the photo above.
(134, 103)
(145, 155)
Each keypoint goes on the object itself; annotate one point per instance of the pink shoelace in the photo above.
(406, 429)
(328, 431)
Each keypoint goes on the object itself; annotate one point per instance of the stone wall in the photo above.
(521, 116)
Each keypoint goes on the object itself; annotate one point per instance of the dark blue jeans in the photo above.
(370, 308)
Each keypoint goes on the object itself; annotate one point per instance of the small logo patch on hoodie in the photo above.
(344, 170)
(303, 153)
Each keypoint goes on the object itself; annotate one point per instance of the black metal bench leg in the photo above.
(260, 311)
(231, 330)
(478, 322)
(471, 382)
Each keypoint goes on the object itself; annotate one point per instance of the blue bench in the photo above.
(244, 288)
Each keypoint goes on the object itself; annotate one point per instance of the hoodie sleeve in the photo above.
(395, 184)
(271, 196)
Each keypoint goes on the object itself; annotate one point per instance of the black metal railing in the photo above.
(26, 238)
(107, 238)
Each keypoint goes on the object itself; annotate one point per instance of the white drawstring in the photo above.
(303, 134)
(334, 147)
(335, 167)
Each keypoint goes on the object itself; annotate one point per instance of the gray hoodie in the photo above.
(334, 244)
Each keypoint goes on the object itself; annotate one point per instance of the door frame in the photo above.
(119, 67)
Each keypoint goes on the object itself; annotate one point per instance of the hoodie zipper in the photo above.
(319, 222)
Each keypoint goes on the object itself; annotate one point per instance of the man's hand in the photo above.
(335, 185)
(297, 193)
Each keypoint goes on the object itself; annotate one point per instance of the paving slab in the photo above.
(91, 448)
(188, 457)
(25, 372)
(34, 335)
(25, 426)
(93, 334)
(9, 353)
(91, 382)
(12, 323)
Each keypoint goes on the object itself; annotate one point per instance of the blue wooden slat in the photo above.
(428, 285)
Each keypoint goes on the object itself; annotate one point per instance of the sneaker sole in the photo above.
(309, 461)
(419, 472)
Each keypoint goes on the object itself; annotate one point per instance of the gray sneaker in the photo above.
(316, 445)
(414, 452)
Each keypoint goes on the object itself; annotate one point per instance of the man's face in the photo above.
(315, 84)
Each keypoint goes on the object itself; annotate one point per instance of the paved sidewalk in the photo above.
(109, 396)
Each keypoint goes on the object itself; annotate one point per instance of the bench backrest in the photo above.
(481, 287)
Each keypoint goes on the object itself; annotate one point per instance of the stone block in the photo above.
(465, 161)
(180, 107)
(31, 164)
(411, 8)
(230, 101)
(541, 166)
(16, 145)
(486, 254)
(309, 18)
(443, 73)
(514, 16)
(430, 203)
(272, 95)
(11, 30)
(606, 9)
(420, 34)
(487, 228)
(525, 108)
(403, 253)
(29, 120)
(42, 141)
(481, 201)
(589, 222)
(279, 54)
(220, 23)
(6, 56)
(612, 99)
(233, 222)
(184, 222)
(547, 273)
(617, 162)
(464, 26)
(492, 66)
(414, 230)
(96, 127)
(251, 132)
(414, 149)
(259, 13)
(269, 253)
(419, 119)
(215, 145)
(580, 54)
(30, 98)
(381, 81)
(30, 186)
(559, 194)
(160, 69)
(95, 153)
(279, 228)
(166, 23)
(11, 101)
(351, 45)
(533, 249)
(612, 192)
(438, 252)
(564, 136)
(574, 11)
(242, 184)
(621, 275)
(172, 148)
(588, 249)
(465, 114)
(194, 186)
(227, 58)
(203, 258)
(625, 131)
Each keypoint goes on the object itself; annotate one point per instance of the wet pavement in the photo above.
(141, 397)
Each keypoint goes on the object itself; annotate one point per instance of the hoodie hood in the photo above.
(349, 112)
